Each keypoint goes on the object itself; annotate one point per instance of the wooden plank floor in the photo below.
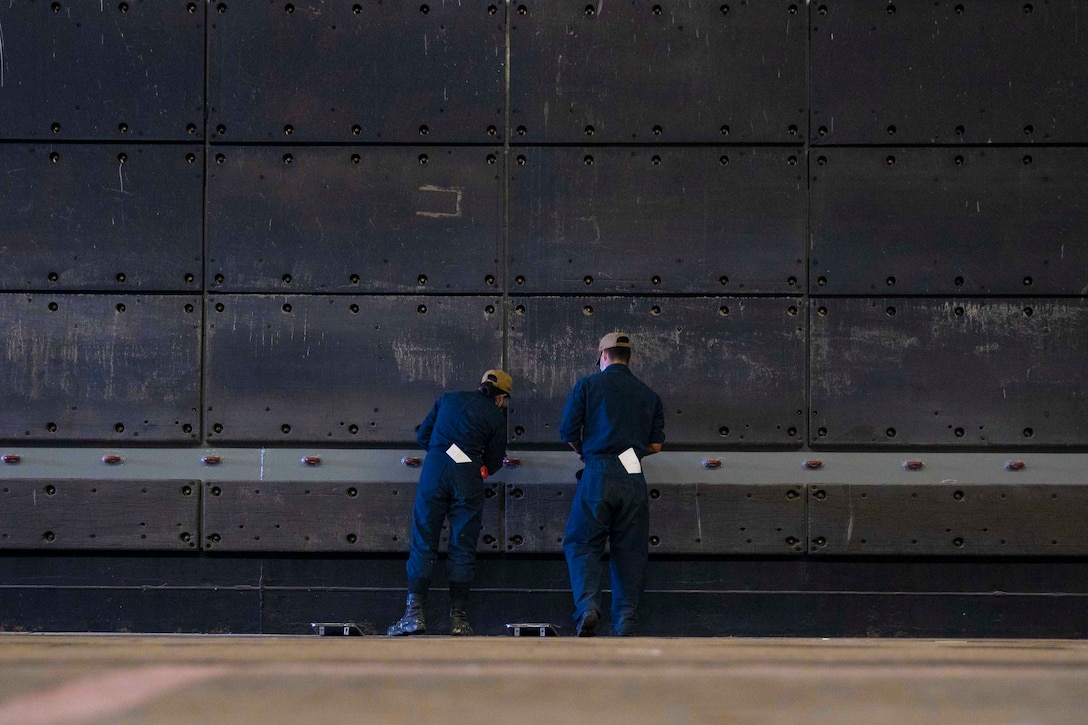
(47, 678)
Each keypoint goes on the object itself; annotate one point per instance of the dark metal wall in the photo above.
(836, 229)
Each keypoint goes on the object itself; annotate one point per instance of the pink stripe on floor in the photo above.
(99, 696)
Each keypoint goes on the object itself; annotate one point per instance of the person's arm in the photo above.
(657, 430)
(423, 434)
(495, 451)
(574, 417)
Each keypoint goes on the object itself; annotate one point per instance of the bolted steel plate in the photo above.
(646, 220)
(416, 219)
(340, 369)
(322, 516)
(118, 71)
(730, 371)
(949, 372)
(963, 221)
(368, 71)
(71, 513)
(114, 368)
(947, 72)
(83, 217)
(639, 72)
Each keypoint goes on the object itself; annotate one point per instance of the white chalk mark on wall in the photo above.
(458, 193)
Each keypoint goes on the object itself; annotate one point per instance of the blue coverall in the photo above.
(454, 490)
(609, 412)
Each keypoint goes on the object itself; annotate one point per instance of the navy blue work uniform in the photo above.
(610, 412)
(472, 421)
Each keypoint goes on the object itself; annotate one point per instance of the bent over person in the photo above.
(612, 420)
(465, 438)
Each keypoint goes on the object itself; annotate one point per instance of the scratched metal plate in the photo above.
(949, 372)
(1004, 71)
(706, 220)
(730, 371)
(340, 369)
(99, 514)
(641, 72)
(949, 221)
(122, 368)
(360, 219)
(101, 217)
(122, 71)
(320, 516)
(948, 519)
(367, 71)
(685, 518)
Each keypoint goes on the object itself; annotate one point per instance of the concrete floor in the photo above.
(47, 678)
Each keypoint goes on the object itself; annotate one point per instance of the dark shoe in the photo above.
(412, 622)
(459, 626)
(587, 625)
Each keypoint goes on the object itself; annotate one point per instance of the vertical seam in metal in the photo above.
(201, 418)
(506, 195)
(806, 295)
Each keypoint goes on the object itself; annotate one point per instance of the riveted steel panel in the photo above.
(360, 219)
(1000, 71)
(685, 518)
(100, 368)
(536, 517)
(322, 516)
(370, 71)
(95, 514)
(119, 71)
(726, 518)
(730, 371)
(657, 220)
(95, 217)
(949, 221)
(337, 369)
(948, 519)
(671, 72)
(949, 372)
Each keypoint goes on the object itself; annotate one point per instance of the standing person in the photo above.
(465, 438)
(612, 420)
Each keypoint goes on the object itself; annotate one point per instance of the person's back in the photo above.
(470, 421)
(620, 412)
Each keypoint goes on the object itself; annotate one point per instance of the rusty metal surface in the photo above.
(304, 368)
(949, 372)
(657, 220)
(308, 516)
(947, 72)
(949, 221)
(420, 219)
(637, 72)
(83, 368)
(122, 71)
(730, 371)
(73, 514)
(369, 71)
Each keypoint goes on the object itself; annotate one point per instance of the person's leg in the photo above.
(428, 512)
(466, 519)
(583, 545)
(629, 547)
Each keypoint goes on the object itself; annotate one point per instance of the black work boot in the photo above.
(459, 626)
(587, 625)
(412, 622)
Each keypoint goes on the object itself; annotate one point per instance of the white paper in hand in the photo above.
(630, 461)
(457, 454)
